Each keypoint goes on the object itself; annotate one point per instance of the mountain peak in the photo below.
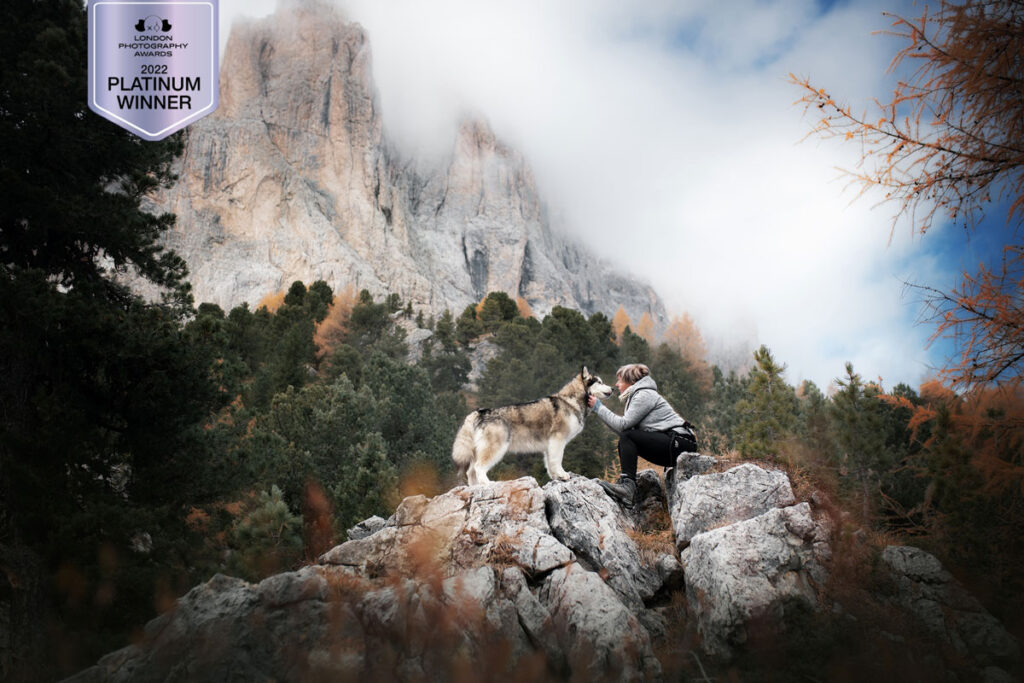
(294, 178)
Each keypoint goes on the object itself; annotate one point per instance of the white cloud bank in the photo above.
(664, 135)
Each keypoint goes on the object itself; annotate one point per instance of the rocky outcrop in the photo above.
(515, 580)
(477, 577)
(293, 178)
(756, 569)
(584, 519)
(466, 528)
(365, 528)
(701, 503)
(946, 609)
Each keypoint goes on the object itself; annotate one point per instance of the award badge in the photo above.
(153, 66)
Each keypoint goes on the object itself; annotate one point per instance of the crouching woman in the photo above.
(649, 428)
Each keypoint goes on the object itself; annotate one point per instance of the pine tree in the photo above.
(468, 327)
(717, 427)
(103, 394)
(266, 539)
(858, 426)
(768, 411)
(444, 360)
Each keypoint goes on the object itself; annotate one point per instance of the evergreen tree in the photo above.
(858, 418)
(497, 308)
(717, 427)
(813, 424)
(468, 327)
(266, 539)
(768, 410)
(370, 328)
(103, 394)
(445, 361)
(368, 484)
(634, 348)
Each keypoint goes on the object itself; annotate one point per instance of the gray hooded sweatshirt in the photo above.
(645, 409)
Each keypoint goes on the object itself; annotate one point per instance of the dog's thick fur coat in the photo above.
(542, 426)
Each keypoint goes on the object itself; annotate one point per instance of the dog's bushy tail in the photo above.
(464, 449)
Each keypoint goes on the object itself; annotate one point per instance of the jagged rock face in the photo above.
(510, 579)
(462, 529)
(475, 578)
(586, 520)
(946, 609)
(703, 502)
(754, 569)
(293, 178)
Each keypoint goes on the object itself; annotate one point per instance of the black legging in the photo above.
(658, 448)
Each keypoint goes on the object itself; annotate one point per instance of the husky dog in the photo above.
(542, 426)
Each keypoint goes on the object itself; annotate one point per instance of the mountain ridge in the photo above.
(294, 178)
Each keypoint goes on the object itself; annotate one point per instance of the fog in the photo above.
(664, 136)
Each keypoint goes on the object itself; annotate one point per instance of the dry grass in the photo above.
(652, 544)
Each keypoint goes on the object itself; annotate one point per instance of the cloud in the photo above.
(664, 136)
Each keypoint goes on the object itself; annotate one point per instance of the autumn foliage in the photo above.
(620, 321)
(947, 145)
(683, 336)
(331, 330)
(272, 301)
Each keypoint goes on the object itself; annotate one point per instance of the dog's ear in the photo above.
(583, 371)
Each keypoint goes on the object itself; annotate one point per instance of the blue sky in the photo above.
(664, 135)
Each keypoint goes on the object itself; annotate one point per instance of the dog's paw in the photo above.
(563, 476)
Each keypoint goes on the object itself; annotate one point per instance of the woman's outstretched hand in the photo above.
(591, 401)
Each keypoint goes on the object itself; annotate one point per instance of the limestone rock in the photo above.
(753, 569)
(670, 571)
(500, 523)
(946, 609)
(687, 465)
(703, 502)
(366, 528)
(600, 636)
(480, 355)
(294, 178)
(587, 521)
(651, 506)
(691, 464)
(226, 629)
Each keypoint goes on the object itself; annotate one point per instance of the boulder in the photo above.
(651, 505)
(703, 502)
(501, 523)
(601, 638)
(227, 629)
(366, 528)
(753, 569)
(692, 464)
(585, 520)
(946, 609)
(474, 582)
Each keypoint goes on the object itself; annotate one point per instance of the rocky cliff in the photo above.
(294, 178)
(515, 581)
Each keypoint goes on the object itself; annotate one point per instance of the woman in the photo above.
(648, 428)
